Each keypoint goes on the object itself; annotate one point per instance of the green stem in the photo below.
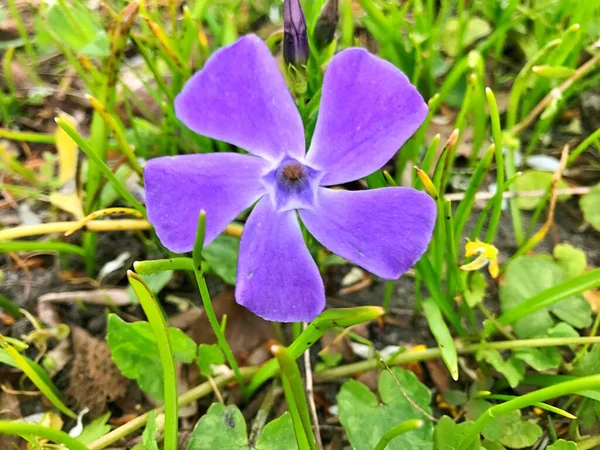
(401, 428)
(29, 429)
(291, 375)
(35, 246)
(25, 136)
(207, 302)
(557, 390)
(160, 265)
(436, 353)
(589, 443)
(159, 327)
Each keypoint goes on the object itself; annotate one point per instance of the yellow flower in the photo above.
(487, 255)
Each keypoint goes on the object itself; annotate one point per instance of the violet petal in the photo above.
(385, 231)
(277, 278)
(240, 97)
(368, 111)
(177, 188)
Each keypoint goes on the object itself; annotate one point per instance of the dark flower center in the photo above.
(293, 171)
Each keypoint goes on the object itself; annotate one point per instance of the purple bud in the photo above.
(295, 40)
(326, 24)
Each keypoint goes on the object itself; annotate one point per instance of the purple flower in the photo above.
(295, 39)
(368, 110)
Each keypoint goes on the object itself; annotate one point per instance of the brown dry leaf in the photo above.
(439, 374)
(10, 409)
(593, 298)
(245, 331)
(94, 380)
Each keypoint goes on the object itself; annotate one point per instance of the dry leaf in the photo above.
(94, 380)
(593, 298)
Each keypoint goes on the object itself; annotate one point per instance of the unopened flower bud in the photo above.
(295, 40)
(326, 24)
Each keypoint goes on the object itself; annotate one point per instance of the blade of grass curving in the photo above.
(40, 247)
(552, 295)
(545, 406)
(326, 320)
(401, 428)
(28, 136)
(30, 429)
(295, 394)
(159, 327)
(558, 390)
(38, 377)
(100, 164)
(161, 265)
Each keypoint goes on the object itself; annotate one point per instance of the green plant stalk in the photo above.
(520, 83)
(437, 246)
(545, 406)
(401, 428)
(588, 443)
(31, 373)
(568, 387)
(515, 212)
(186, 398)
(552, 295)
(9, 307)
(328, 319)
(465, 207)
(497, 137)
(36, 246)
(347, 370)
(160, 265)
(27, 136)
(28, 429)
(291, 376)
(452, 273)
(207, 302)
(100, 164)
(429, 158)
(7, 61)
(22, 32)
(429, 276)
(387, 296)
(301, 439)
(159, 327)
(442, 335)
(579, 149)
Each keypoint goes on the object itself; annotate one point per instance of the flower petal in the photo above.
(277, 278)
(383, 230)
(178, 187)
(240, 97)
(368, 111)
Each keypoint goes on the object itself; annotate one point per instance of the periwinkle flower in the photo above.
(368, 110)
(295, 39)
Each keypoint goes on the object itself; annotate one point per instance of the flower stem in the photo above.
(557, 390)
(29, 429)
(401, 428)
(207, 302)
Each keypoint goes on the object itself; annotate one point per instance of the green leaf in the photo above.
(476, 28)
(475, 286)
(572, 260)
(366, 420)
(95, 429)
(442, 335)
(510, 430)
(134, 351)
(455, 398)
(448, 435)
(589, 364)
(539, 358)
(511, 369)
(562, 330)
(222, 256)
(209, 355)
(492, 445)
(150, 432)
(561, 444)
(223, 427)
(590, 205)
(78, 29)
(527, 276)
(534, 180)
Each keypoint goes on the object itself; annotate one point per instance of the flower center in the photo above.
(292, 185)
(293, 171)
